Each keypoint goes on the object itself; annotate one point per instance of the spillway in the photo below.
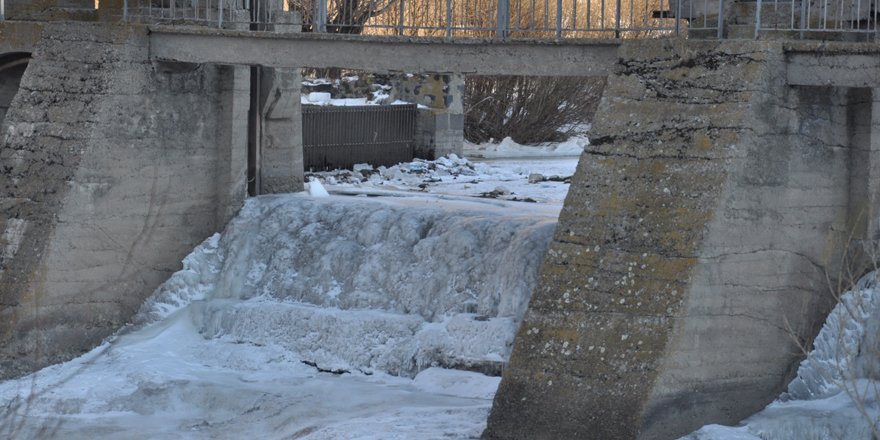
(335, 317)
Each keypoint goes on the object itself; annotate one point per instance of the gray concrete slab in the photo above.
(381, 54)
(19, 36)
(813, 63)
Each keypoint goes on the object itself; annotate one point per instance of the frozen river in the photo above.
(337, 317)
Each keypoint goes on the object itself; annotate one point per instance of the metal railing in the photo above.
(551, 19)
(240, 14)
(543, 19)
(340, 137)
(547, 19)
(813, 18)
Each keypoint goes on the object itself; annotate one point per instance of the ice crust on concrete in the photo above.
(834, 395)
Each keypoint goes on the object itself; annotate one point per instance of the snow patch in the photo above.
(316, 189)
(454, 383)
(508, 148)
(458, 176)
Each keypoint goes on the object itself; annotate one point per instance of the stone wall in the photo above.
(692, 249)
(113, 169)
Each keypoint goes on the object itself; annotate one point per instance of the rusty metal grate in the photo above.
(339, 137)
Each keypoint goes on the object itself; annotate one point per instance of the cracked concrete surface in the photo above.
(693, 246)
(118, 167)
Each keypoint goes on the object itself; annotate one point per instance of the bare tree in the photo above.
(529, 109)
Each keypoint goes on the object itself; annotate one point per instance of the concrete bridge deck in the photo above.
(382, 54)
(809, 63)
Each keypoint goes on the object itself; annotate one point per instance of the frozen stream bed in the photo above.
(335, 317)
(375, 317)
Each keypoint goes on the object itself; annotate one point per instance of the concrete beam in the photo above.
(380, 54)
(19, 36)
(833, 64)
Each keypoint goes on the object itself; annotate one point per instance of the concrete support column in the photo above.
(873, 180)
(440, 126)
(232, 142)
(686, 262)
(281, 152)
(449, 128)
(863, 109)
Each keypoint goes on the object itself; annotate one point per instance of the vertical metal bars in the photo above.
(503, 21)
(536, 19)
(339, 137)
(819, 18)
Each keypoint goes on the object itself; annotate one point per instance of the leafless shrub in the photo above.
(530, 110)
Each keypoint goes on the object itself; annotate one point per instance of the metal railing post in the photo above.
(503, 25)
(2, 10)
(125, 10)
(559, 19)
(720, 19)
(400, 21)
(617, 21)
(320, 16)
(803, 25)
(448, 18)
(758, 20)
(678, 17)
(220, 14)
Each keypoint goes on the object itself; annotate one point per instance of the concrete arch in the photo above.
(12, 67)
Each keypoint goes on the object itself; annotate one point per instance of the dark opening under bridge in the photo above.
(725, 178)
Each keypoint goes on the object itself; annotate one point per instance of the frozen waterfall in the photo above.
(365, 284)
(406, 299)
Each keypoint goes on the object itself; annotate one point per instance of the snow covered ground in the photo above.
(313, 318)
(324, 99)
(543, 180)
(507, 148)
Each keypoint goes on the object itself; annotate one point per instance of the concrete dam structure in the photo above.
(727, 180)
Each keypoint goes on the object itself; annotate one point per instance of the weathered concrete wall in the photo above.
(19, 36)
(692, 247)
(440, 127)
(113, 169)
(51, 9)
(281, 153)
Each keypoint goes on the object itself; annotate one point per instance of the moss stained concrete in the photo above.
(691, 251)
(113, 168)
